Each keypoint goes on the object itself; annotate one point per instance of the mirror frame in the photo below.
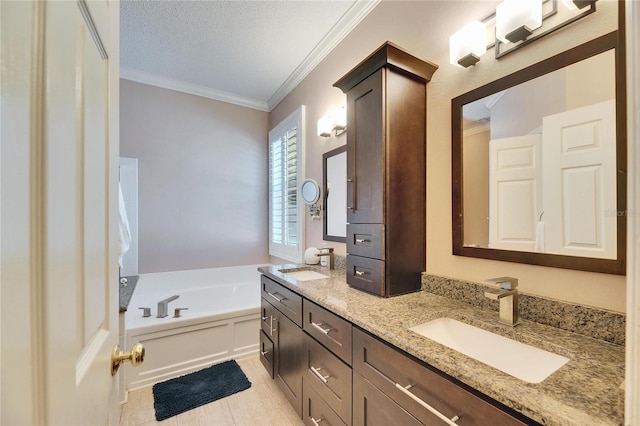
(613, 40)
(325, 195)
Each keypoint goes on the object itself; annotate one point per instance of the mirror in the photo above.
(310, 191)
(539, 163)
(334, 184)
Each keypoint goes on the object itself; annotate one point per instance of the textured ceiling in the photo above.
(247, 52)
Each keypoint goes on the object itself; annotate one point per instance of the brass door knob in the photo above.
(136, 357)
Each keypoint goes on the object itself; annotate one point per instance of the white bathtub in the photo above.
(221, 323)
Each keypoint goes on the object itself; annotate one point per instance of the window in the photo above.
(286, 169)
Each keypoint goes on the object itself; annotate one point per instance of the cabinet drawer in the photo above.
(316, 411)
(372, 407)
(268, 319)
(386, 368)
(285, 300)
(329, 376)
(266, 353)
(366, 240)
(366, 274)
(329, 329)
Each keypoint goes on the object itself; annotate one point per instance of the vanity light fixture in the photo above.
(515, 24)
(468, 44)
(325, 126)
(336, 120)
(517, 19)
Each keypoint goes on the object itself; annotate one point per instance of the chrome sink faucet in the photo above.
(163, 306)
(327, 252)
(507, 295)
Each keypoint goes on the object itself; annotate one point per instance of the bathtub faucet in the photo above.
(163, 306)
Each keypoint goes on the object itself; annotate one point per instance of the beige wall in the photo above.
(202, 167)
(413, 25)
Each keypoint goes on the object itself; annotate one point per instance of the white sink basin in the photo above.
(304, 275)
(520, 360)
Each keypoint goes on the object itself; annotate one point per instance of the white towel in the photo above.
(125, 233)
(540, 237)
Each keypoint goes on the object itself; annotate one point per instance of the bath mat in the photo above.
(187, 392)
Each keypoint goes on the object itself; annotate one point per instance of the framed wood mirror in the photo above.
(539, 163)
(334, 189)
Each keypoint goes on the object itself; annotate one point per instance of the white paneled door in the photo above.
(59, 211)
(579, 151)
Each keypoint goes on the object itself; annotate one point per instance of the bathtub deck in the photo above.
(262, 404)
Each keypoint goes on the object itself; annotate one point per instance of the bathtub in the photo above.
(221, 323)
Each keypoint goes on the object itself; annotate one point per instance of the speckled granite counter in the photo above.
(585, 391)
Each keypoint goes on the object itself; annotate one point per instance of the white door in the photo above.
(59, 211)
(514, 192)
(579, 151)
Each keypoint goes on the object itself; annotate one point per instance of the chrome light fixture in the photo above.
(517, 19)
(515, 24)
(336, 120)
(468, 44)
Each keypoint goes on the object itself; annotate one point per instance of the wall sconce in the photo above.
(516, 19)
(336, 120)
(468, 44)
(517, 23)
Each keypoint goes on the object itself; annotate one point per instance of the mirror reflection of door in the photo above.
(539, 163)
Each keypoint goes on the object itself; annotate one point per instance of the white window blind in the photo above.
(286, 220)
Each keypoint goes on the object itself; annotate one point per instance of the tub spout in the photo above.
(163, 306)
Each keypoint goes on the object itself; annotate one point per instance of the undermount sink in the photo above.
(301, 274)
(518, 359)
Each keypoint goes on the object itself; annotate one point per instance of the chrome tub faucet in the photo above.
(507, 295)
(163, 306)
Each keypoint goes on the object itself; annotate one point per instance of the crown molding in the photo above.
(193, 89)
(356, 13)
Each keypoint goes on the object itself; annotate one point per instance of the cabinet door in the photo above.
(365, 151)
(371, 407)
(289, 366)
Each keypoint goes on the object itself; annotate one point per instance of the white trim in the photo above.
(356, 13)
(632, 388)
(193, 89)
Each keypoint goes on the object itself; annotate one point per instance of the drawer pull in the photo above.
(276, 297)
(349, 180)
(361, 240)
(325, 331)
(350, 208)
(359, 273)
(264, 353)
(450, 422)
(315, 422)
(319, 327)
(316, 371)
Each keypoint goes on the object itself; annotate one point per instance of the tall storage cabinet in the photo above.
(386, 171)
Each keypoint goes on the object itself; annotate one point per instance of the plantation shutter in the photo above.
(286, 220)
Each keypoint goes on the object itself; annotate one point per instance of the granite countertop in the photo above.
(586, 390)
(126, 291)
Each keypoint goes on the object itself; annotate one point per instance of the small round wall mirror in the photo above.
(310, 191)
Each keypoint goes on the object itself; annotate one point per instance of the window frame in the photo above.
(289, 252)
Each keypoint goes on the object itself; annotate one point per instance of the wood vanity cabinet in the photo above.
(281, 325)
(378, 372)
(386, 171)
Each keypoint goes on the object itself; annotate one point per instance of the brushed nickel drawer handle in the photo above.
(315, 422)
(319, 328)
(349, 180)
(316, 371)
(360, 240)
(264, 353)
(350, 208)
(359, 273)
(450, 422)
(276, 297)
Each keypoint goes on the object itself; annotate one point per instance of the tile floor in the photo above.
(263, 404)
